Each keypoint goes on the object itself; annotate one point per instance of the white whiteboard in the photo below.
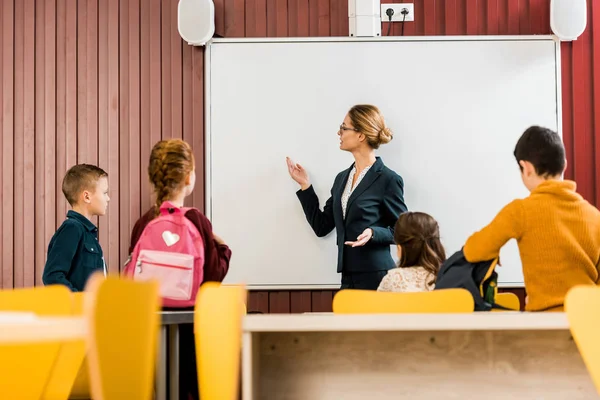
(456, 105)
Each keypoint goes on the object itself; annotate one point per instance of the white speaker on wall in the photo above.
(196, 21)
(568, 18)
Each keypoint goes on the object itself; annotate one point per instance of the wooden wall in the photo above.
(88, 81)
(102, 80)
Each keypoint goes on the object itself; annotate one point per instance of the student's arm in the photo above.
(216, 255)
(393, 205)
(322, 222)
(61, 254)
(486, 244)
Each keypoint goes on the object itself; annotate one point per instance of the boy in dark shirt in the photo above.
(74, 252)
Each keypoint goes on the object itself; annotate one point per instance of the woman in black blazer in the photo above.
(366, 200)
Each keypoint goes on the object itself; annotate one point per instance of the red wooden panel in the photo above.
(524, 23)
(298, 18)
(176, 78)
(134, 118)
(503, 17)
(8, 108)
(18, 184)
(513, 17)
(279, 302)
(440, 18)
(28, 176)
(277, 18)
(429, 11)
(70, 142)
(595, 16)
(198, 196)
(188, 97)
(6, 74)
(461, 17)
(156, 104)
(482, 18)
(166, 70)
(45, 130)
(583, 129)
(146, 29)
(472, 13)
(318, 18)
(258, 302)
(114, 215)
(450, 12)
(91, 104)
(104, 105)
(567, 103)
(125, 106)
(300, 301)
(339, 17)
(256, 18)
(234, 18)
(220, 17)
(419, 24)
(537, 15)
(82, 83)
(321, 300)
(492, 17)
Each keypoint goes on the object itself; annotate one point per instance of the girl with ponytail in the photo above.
(417, 237)
(172, 174)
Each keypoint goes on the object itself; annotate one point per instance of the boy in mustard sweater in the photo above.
(557, 231)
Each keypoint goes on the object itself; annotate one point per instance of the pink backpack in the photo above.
(171, 251)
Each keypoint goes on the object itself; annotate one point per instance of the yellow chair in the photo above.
(352, 301)
(123, 323)
(218, 334)
(508, 300)
(25, 370)
(582, 306)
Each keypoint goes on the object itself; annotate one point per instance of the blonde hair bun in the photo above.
(385, 135)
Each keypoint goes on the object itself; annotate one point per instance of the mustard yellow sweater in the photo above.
(558, 234)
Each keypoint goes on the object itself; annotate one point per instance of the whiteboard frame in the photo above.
(344, 39)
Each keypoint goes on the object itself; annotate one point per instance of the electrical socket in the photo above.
(397, 7)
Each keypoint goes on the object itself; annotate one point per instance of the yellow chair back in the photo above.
(218, 333)
(25, 369)
(508, 300)
(352, 301)
(582, 306)
(123, 328)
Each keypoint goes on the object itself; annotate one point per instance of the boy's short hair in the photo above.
(79, 178)
(544, 149)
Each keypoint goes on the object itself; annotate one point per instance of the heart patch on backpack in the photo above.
(170, 238)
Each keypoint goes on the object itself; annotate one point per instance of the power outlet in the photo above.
(397, 16)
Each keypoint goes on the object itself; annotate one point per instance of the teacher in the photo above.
(366, 200)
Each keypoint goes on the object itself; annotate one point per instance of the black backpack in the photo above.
(480, 279)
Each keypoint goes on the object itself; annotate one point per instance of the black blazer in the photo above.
(375, 203)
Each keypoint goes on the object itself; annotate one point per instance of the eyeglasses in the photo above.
(345, 128)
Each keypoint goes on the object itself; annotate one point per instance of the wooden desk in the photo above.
(412, 356)
(21, 330)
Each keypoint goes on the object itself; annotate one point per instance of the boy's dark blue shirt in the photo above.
(74, 253)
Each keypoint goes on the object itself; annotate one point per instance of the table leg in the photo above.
(174, 362)
(161, 366)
